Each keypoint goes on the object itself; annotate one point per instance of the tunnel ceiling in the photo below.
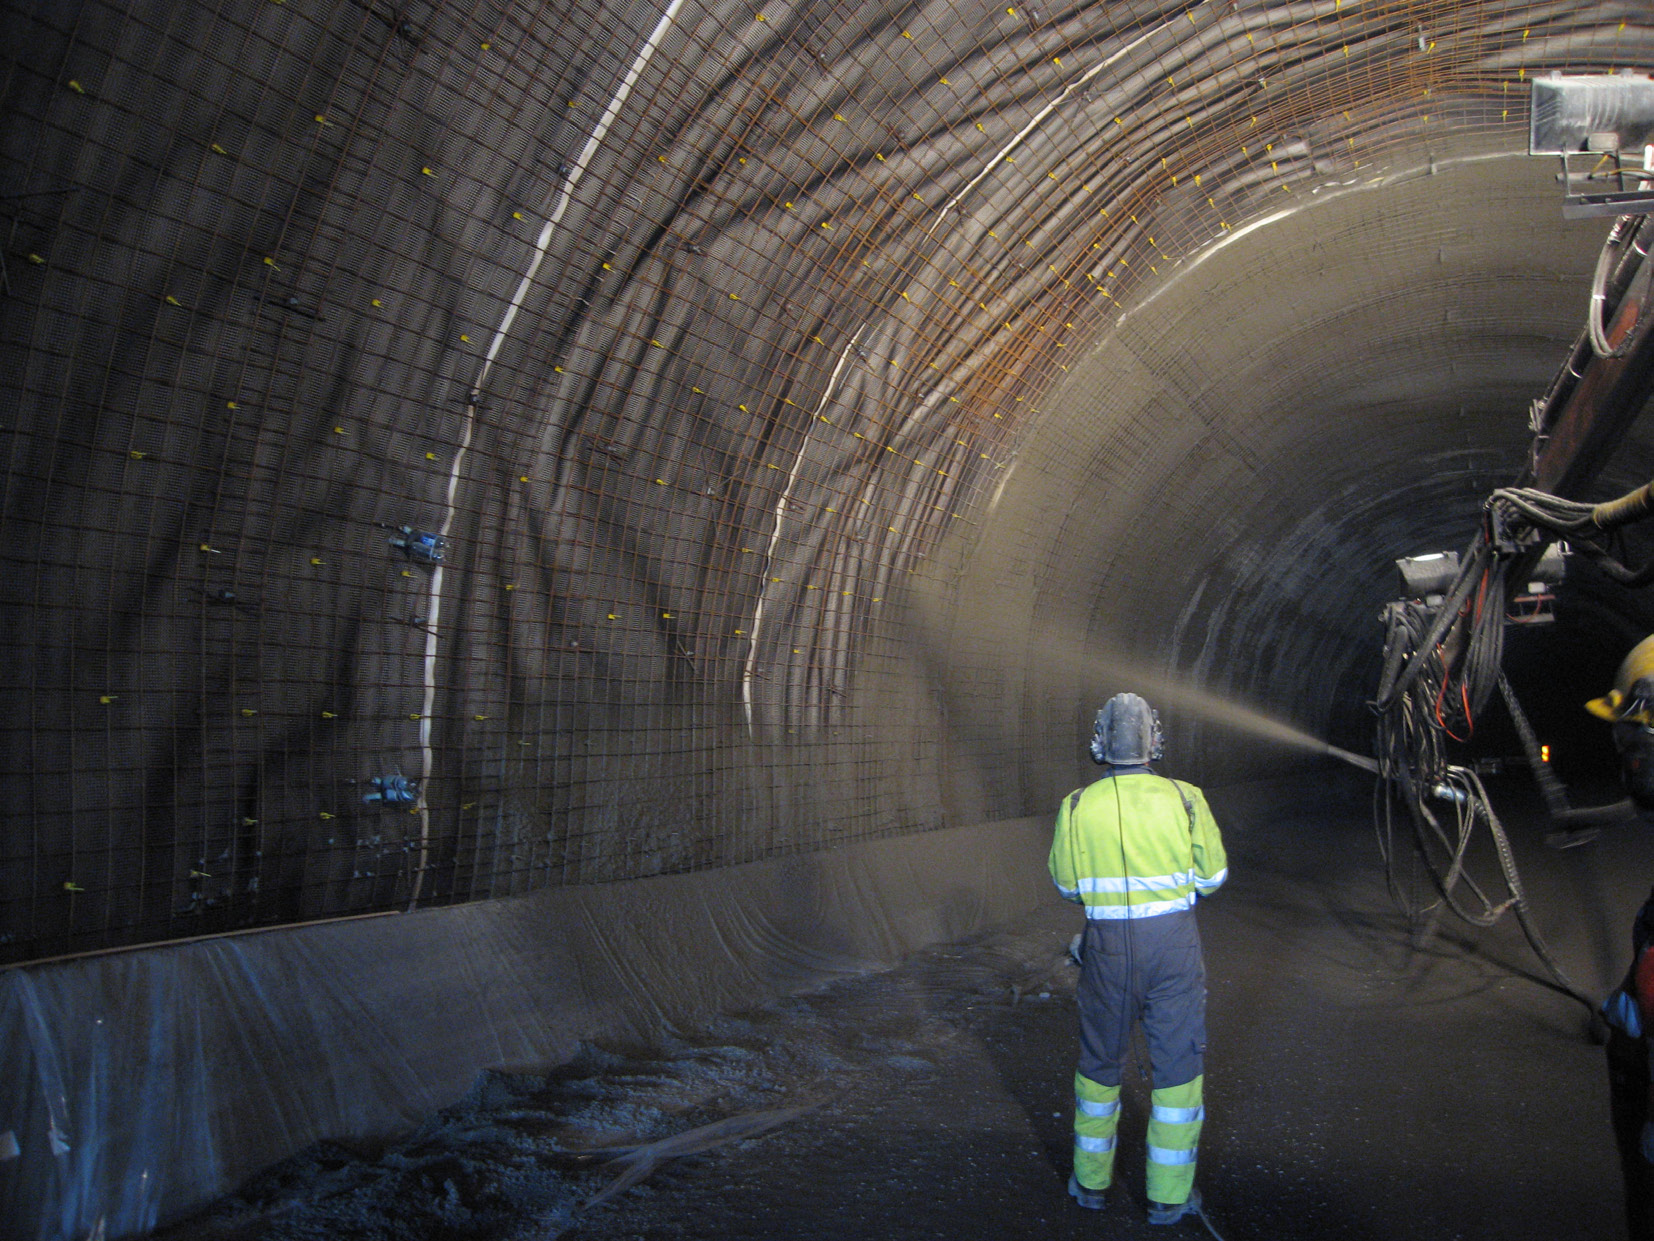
(791, 388)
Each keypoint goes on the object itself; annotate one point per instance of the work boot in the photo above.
(1090, 1199)
(1171, 1212)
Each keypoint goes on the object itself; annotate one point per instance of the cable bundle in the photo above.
(1587, 527)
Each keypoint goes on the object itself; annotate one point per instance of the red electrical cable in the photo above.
(1475, 613)
(1464, 697)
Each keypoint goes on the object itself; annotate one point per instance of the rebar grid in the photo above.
(698, 330)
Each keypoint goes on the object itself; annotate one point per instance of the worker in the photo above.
(1137, 850)
(1629, 707)
(1630, 1014)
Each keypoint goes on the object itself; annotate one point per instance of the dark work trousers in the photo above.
(1628, 1103)
(1147, 969)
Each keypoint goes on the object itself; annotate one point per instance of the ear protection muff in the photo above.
(1098, 753)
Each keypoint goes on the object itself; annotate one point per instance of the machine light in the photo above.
(1423, 576)
(1602, 127)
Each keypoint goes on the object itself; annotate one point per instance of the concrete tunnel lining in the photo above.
(786, 505)
(1232, 514)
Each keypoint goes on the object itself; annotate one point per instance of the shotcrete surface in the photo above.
(1360, 1084)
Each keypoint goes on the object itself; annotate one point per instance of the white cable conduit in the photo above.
(775, 534)
(433, 611)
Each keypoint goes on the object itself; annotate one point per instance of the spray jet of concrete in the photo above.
(1224, 712)
(1068, 666)
(1230, 714)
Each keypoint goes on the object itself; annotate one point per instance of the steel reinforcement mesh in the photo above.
(452, 449)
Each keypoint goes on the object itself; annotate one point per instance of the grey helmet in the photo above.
(1127, 733)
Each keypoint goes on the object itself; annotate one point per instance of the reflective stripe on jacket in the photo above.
(1135, 845)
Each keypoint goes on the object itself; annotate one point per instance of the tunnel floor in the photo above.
(1358, 1087)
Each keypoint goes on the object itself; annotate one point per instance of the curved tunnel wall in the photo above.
(789, 383)
(1218, 494)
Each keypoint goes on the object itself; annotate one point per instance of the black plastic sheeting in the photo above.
(140, 1084)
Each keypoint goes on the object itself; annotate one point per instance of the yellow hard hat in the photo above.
(1619, 702)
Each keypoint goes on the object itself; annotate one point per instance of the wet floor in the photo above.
(1360, 1084)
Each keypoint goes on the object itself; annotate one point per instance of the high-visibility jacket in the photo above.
(1136, 845)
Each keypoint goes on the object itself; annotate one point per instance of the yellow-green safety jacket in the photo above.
(1136, 845)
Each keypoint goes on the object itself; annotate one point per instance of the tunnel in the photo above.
(534, 523)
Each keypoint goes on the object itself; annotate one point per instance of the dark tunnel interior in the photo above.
(456, 450)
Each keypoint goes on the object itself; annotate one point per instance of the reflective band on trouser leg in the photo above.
(1174, 1135)
(1096, 1115)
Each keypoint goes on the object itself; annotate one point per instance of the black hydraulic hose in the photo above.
(1620, 573)
(1513, 880)
(1582, 523)
(1544, 511)
(1467, 784)
(1474, 567)
(1455, 874)
(1395, 649)
(1565, 517)
(1556, 797)
(1485, 650)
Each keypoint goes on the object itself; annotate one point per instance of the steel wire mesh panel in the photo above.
(452, 449)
